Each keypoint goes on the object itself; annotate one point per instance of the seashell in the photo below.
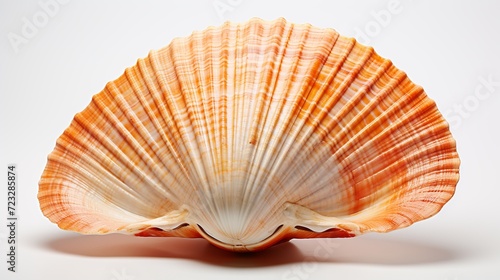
(249, 135)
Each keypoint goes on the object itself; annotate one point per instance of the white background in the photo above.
(450, 48)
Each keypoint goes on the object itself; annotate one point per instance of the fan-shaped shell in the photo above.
(251, 134)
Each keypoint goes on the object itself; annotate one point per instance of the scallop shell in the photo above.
(249, 135)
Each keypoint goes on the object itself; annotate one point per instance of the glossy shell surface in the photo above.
(249, 135)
